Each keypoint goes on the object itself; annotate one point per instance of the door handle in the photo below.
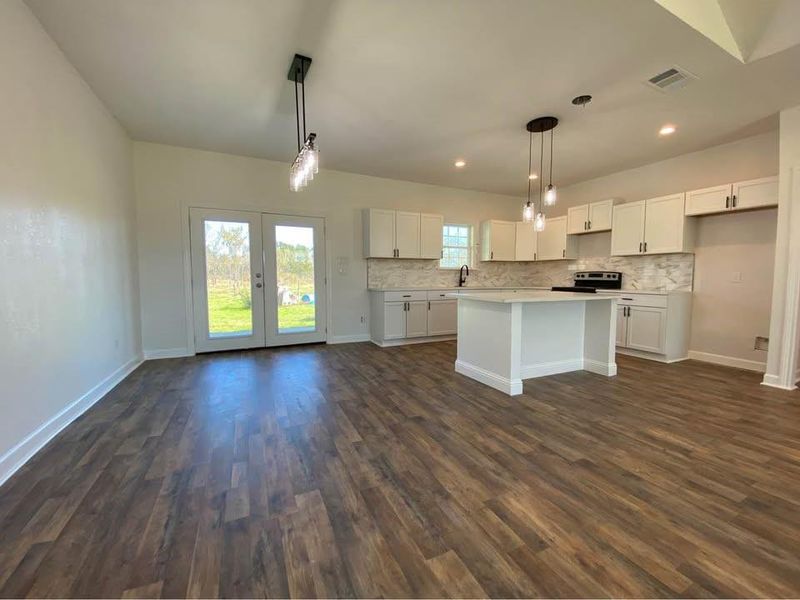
(258, 275)
(429, 304)
(258, 285)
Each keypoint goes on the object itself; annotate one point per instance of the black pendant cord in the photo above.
(303, 67)
(550, 179)
(530, 162)
(297, 111)
(541, 173)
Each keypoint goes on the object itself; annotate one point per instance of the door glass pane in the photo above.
(228, 276)
(294, 252)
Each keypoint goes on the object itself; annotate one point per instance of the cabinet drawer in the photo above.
(405, 296)
(642, 300)
(439, 294)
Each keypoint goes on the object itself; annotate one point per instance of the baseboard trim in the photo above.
(774, 381)
(601, 368)
(551, 368)
(348, 339)
(505, 385)
(17, 456)
(167, 353)
(650, 355)
(728, 361)
(408, 341)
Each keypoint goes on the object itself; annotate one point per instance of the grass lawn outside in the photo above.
(229, 312)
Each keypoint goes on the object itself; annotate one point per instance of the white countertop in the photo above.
(542, 288)
(530, 296)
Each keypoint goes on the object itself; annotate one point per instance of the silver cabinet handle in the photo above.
(645, 246)
(727, 201)
(733, 201)
(640, 246)
(590, 224)
(585, 227)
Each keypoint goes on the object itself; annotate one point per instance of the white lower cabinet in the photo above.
(417, 319)
(654, 326)
(412, 315)
(442, 317)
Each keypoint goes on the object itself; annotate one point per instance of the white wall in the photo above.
(726, 316)
(170, 179)
(69, 314)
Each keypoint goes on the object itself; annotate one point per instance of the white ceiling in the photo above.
(401, 89)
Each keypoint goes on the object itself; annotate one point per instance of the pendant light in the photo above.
(306, 163)
(527, 210)
(546, 198)
(550, 193)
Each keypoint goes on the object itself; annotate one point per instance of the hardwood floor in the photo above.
(357, 471)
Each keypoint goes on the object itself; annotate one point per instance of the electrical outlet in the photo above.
(761, 343)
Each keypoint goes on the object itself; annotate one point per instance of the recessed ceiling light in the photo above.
(460, 164)
(667, 130)
(533, 176)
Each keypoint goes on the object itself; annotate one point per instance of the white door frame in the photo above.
(273, 336)
(185, 208)
(200, 326)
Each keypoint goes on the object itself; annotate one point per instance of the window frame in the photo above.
(470, 247)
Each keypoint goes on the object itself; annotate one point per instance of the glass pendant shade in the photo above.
(550, 195)
(527, 213)
(538, 223)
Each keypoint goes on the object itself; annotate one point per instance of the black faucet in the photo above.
(462, 279)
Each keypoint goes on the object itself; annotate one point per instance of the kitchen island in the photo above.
(505, 337)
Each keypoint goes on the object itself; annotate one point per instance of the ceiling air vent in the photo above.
(670, 80)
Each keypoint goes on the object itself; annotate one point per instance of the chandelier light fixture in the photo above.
(541, 125)
(306, 163)
(527, 209)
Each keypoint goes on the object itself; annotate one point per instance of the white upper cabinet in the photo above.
(379, 229)
(553, 243)
(708, 200)
(755, 193)
(498, 240)
(407, 234)
(600, 214)
(430, 244)
(655, 226)
(588, 218)
(401, 234)
(664, 225)
(742, 195)
(627, 231)
(577, 219)
(525, 242)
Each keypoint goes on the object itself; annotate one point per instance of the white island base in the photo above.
(505, 337)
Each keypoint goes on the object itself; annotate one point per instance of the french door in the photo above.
(257, 279)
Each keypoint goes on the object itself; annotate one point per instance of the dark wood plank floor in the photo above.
(357, 471)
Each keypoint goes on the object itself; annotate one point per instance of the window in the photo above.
(456, 246)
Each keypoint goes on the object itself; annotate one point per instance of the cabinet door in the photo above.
(627, 231)
(394, 320)
(417, 319)
(430, 235)
(552, 242)
(665, 224)
(600, 215)
(525, 242)
(442, 317)
(622, 326)
(503, 240)
(407, 234)
(755, 193)
(379, 233)
(578, 219)
(646, 328)
(708, 200)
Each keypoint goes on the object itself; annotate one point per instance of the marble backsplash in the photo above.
(657, 272)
